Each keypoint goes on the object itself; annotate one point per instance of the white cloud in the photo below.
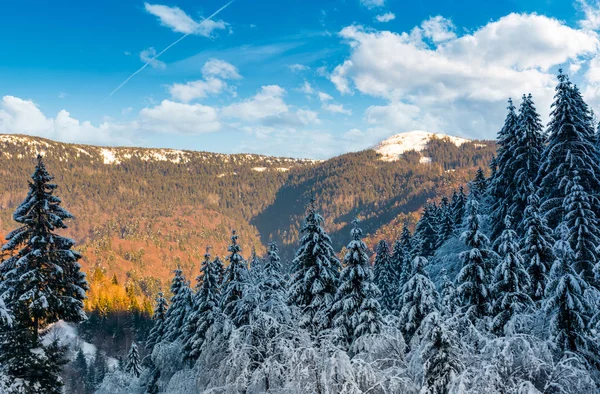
(197, 89)
(24, 117)
(437, 81)
(266, 103)
(383, 18)
(592, 15)
(308, 117)
(220, 69)
(126, 111)
(324, 96)
(215, 72)
(180, 22)
(148, 55)
(172, 117)
(337, 108)
(439, 29)
(372, 3)
(298, 67)
(306, 88)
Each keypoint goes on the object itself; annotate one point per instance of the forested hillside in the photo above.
(143, 212)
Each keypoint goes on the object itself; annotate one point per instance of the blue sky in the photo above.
(296, 78)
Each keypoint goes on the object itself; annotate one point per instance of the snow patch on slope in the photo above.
(391, 148)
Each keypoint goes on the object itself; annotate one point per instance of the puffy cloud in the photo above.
(592, 15)
(148, 55)
(179, 118)
(308, 117)
(337, 108)
(438, 81)
(215, 71)
(266, 103)
(383, 18)
(220, 69)
(372, 3)
(324, 96)
(180, 22)
(306, 88)
(438, 29)
(18, 116)
(298, 67)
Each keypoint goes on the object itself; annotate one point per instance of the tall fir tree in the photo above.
(133, 365)
(570, 147)
(527, 160)
(356, 310)
(419, 298)
(385, 277)
(446, 225)
(316, 274)
(158, 328)
(505, 174)
(536, 246)
(582, 222)
(403, 255)
(42, 283)
(459, 204)
(425, 238)
(235, 282)
(448, 295)
(273, 286)
(206, 307)
(565, 303)
(511, 280)
(181, 305)
(478, 187)
(473, 280)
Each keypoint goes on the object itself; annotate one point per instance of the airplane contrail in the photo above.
(164, 50)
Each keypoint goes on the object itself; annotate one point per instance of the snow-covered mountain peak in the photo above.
(394, 146)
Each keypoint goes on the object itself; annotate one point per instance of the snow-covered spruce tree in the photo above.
(446, 226)
(511, 281)
(356, 310)
(527, 160)
(442, 360)
(256, 266)
(316, 273)
(459, 204)
(158, 328)
(536, 246)
(181, 304)
(403, 255)
(273, 286)
(478, 187)
(504, 176)
(448, 295)
(425, 238)
(565, 303)
(207, 306)
(41, 283)
(582, 221)
(570, 147)
(235, 282)
(385, 277)
(134, 364)
(419, 298)
(474, 278)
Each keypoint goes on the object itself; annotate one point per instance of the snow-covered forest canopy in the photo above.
(497, 290)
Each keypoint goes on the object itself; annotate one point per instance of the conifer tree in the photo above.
(511, 280)
(41, 283)
(419, 298)
(133, 365)
(474, 278)
(219, 269)
(537, 246)
(273, 286)
(206, 307)
(403, 253)
(478, 186)
(235, 282)
(448, 295)
(582, 221)
(356, 310)
(527, 159)
(385, 277)
(570, 147)
(426, 234)
(459, 203)
(504, 176)
(442, 361)
(158, 328)
(316, 274)
(446, 225)
(100, 367)
(565, 302)
(181, 304)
